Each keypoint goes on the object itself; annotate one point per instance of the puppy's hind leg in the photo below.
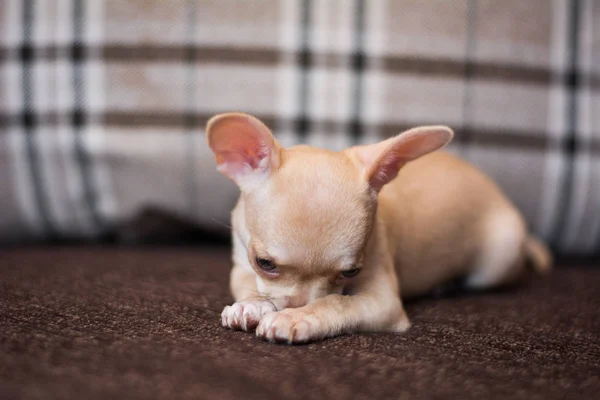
(500, 260)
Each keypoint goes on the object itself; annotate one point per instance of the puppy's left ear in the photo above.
(380, 162)
(244, 148)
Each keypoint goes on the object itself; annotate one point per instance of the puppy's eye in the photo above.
(265, 264)
(350, 273)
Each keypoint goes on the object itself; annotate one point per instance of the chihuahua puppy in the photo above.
(326, 243)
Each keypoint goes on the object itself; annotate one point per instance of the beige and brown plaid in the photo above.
(102, 103)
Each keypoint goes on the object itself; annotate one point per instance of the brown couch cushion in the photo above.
(87, 323)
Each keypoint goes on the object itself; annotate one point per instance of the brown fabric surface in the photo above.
(87, 323)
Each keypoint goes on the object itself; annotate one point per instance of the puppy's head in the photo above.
(308, 212)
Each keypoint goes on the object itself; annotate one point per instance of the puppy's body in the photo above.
(445, 219)
(308, 220)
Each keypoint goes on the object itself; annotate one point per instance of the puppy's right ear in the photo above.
(244, 148)
(380, 162)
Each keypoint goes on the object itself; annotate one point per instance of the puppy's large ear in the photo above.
(244, 147)
(380, 162)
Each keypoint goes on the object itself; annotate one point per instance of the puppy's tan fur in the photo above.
(409, 220)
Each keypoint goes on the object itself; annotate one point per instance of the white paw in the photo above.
(289, 325)
(245, 314)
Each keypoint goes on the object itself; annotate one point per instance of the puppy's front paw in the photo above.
(245, 314)
(289, 325)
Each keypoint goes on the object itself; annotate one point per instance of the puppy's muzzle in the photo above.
(298, 300)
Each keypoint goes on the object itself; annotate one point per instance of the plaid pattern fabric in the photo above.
(102, 103)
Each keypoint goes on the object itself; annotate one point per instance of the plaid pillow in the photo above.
(103, 103)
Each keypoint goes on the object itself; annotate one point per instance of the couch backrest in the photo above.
(103, 103)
